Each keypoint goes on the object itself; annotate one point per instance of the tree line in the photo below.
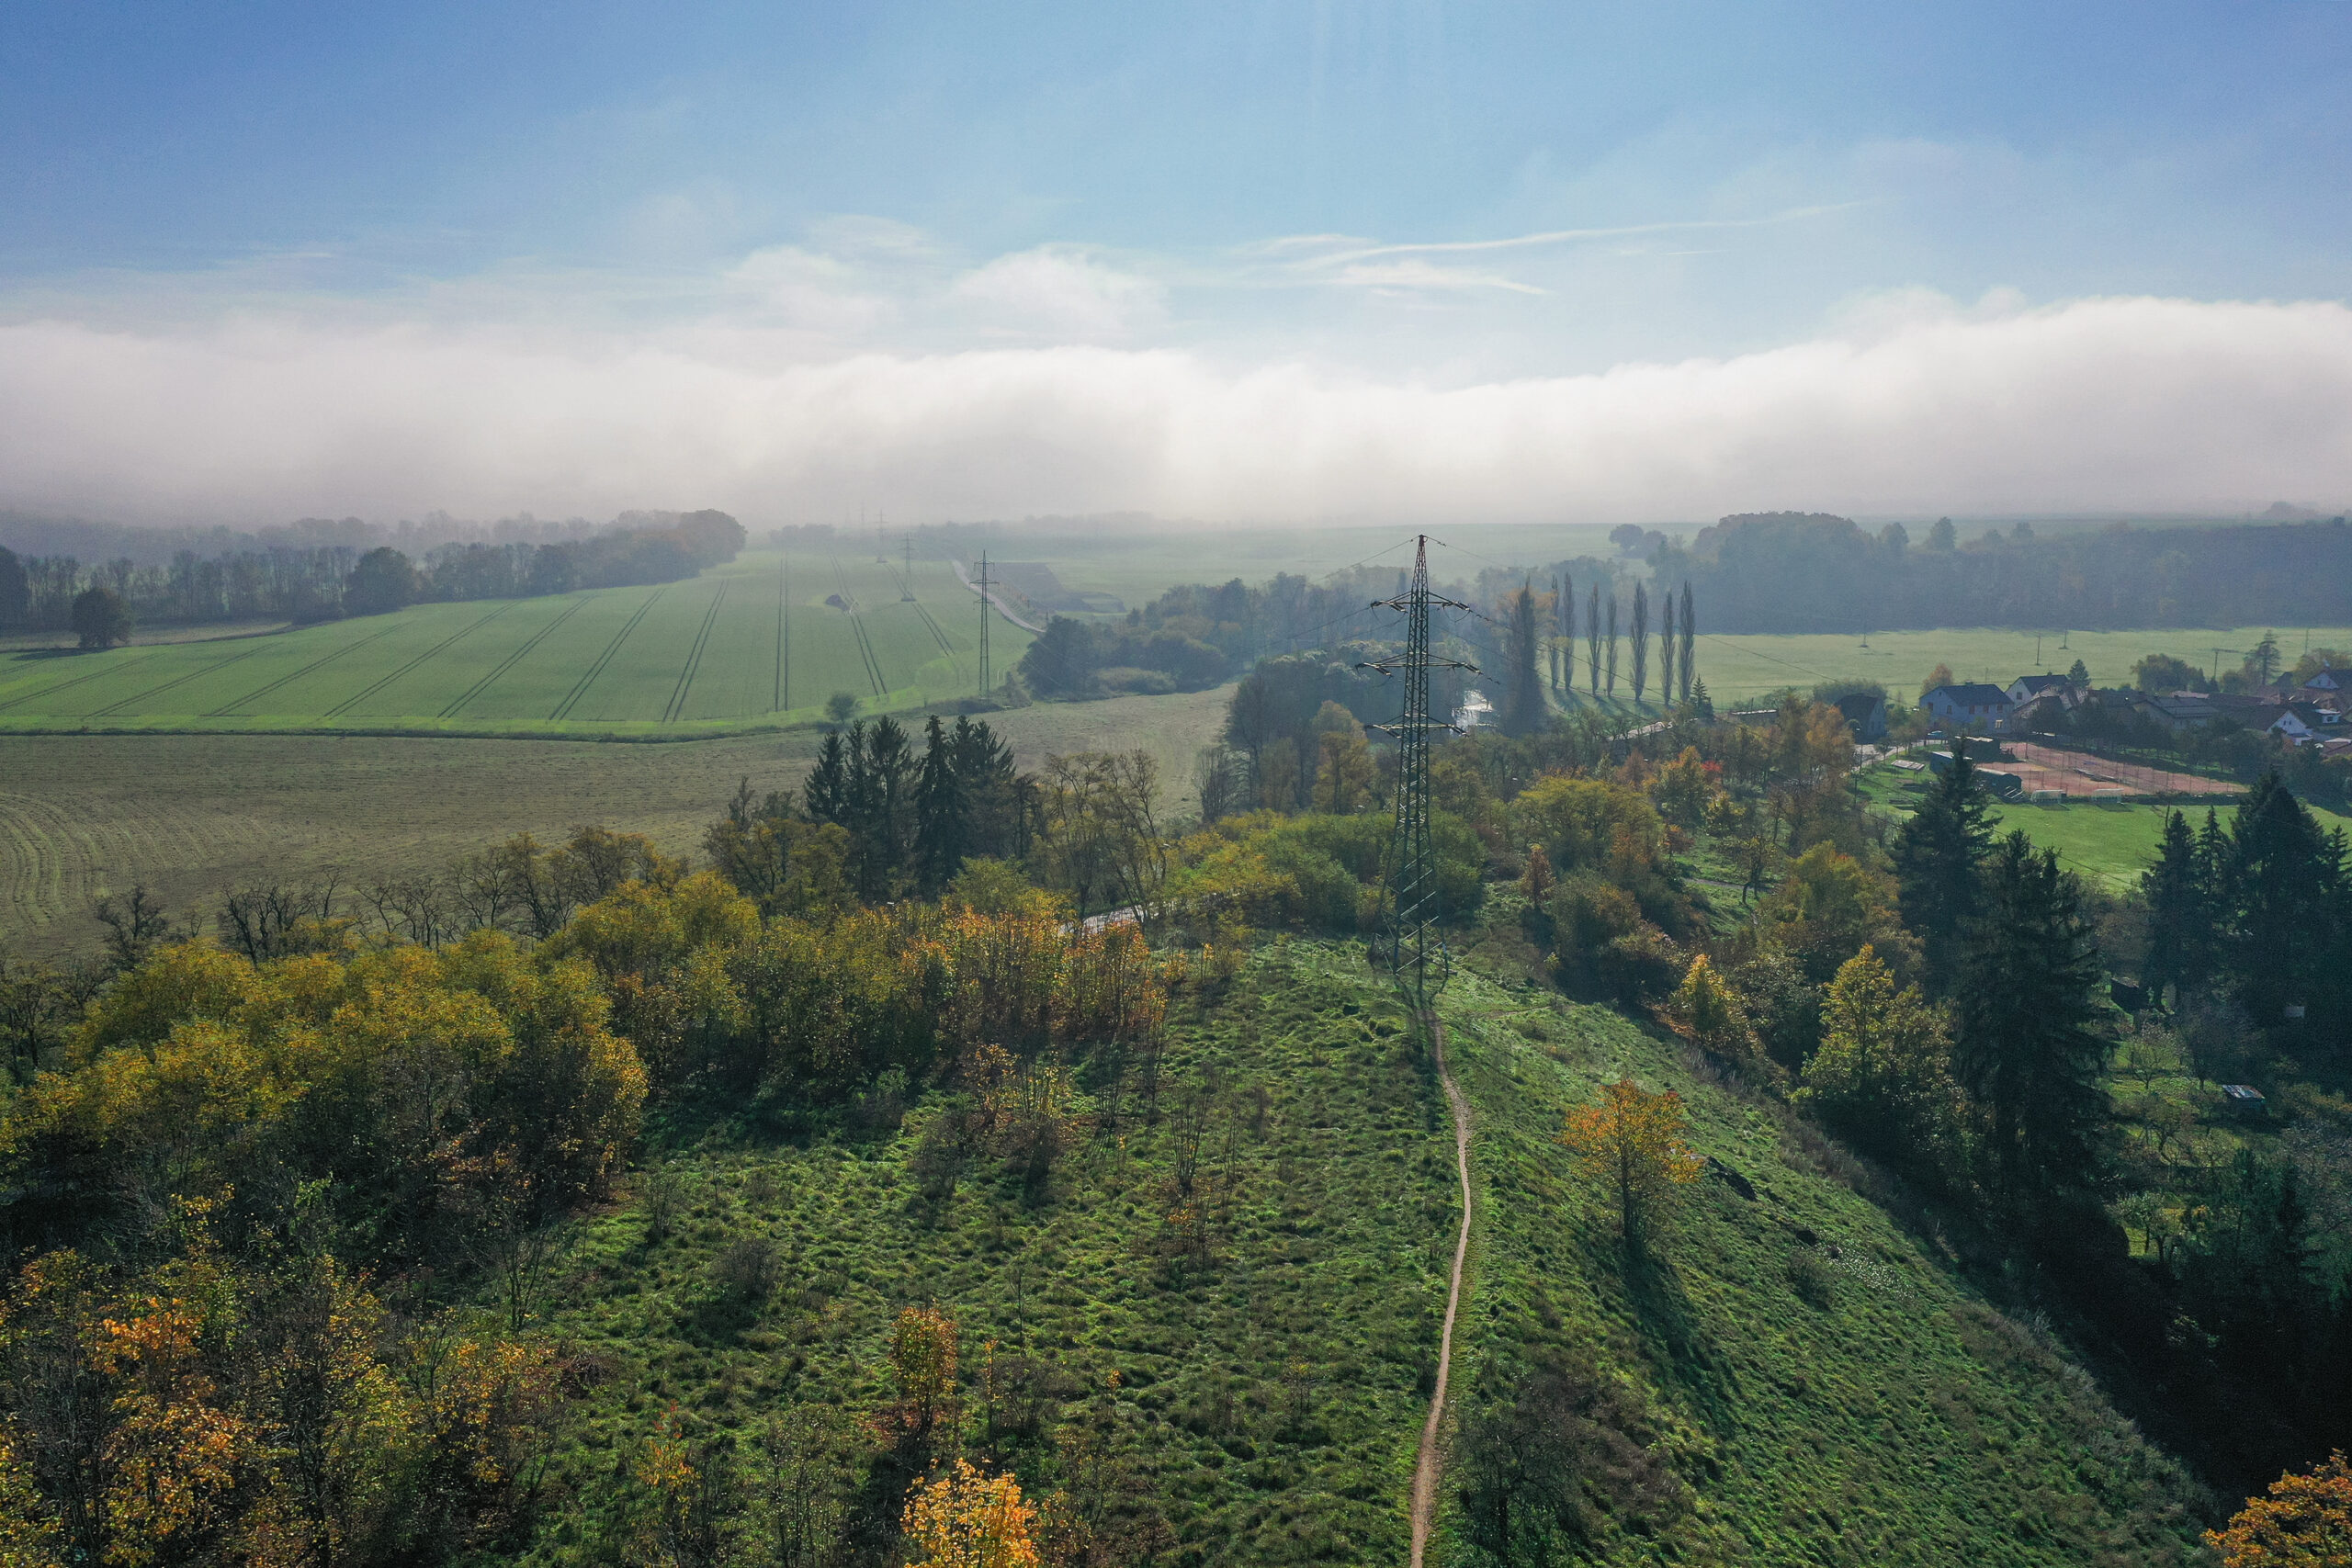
(1785, 571)
(101, 602)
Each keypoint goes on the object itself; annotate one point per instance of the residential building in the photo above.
(1971, 706)
(1865, 714)
(2027, 688)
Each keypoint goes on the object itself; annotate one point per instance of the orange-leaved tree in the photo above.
(969, 1519)
(1632, 1139)
(2306, 1522)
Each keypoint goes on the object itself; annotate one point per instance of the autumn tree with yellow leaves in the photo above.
(922, 1364)
(2306, 1522)
(1633, 1139)
(969, 1519)
(1706, 1010)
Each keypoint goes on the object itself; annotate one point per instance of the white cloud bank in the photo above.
(2092, 405)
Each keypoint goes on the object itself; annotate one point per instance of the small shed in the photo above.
(2244, 1098)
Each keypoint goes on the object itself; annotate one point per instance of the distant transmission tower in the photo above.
(984, 623)
(907, 586)
(1415, 947)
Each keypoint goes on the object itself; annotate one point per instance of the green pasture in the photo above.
(756, 643)
(1737, 667)
(2108, 844)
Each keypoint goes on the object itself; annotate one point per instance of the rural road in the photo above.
(1425, 1470)
(1002, 608)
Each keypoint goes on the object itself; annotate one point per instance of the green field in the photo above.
(2108, 844)
(193, 815)
(755, 644)
(1739, 667)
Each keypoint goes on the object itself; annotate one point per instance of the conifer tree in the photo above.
(2027, 1048)
(942, 811)
(1689, 638)
(1936, 856)
(825, 792)
(2278, 880)
(2179, 915)
(1523, 695)
(993, 790)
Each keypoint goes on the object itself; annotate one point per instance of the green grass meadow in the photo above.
(1831, 1385)
(1823, 1383)
(2108, 844)
(1738, 667)
(756, 643)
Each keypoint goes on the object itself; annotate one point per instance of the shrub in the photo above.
(747, 1269)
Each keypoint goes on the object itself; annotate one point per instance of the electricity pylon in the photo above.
(907, 584)
(1413, 944)
(984, 623)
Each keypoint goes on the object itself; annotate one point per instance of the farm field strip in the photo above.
(588, 677)
(857, 626)
(114, 669)
(938, 635)
(644, 659)
(735, 673)
(641, 683)
(677, 703)
(172, 683)
(434, 651)
(226, 709)
(503, 665)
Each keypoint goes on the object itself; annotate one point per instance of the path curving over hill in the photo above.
(1425, 1470)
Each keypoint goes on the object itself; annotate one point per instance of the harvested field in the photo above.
(190, 814)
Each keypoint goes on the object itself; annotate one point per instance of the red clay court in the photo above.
(2081, 775)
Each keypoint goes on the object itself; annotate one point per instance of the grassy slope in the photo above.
(1903, 1422)
(190, 814)
(1328, 1261)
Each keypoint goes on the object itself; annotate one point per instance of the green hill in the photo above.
(1237, 1373)
(1826, 1390)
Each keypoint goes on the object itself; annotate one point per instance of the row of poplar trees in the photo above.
(1529, 651)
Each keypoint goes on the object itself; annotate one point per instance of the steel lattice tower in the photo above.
(984, 623)
(1414, 946)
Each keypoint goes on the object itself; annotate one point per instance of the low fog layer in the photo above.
(2095, 404)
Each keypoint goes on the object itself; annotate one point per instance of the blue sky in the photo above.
(1399, 199)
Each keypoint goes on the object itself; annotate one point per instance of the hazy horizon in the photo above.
(1231, 265)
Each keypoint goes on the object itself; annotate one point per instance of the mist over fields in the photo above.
(1915, 405)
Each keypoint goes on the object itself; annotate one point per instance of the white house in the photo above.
(2026, 688)
(1973, 706)
(2302, 722)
